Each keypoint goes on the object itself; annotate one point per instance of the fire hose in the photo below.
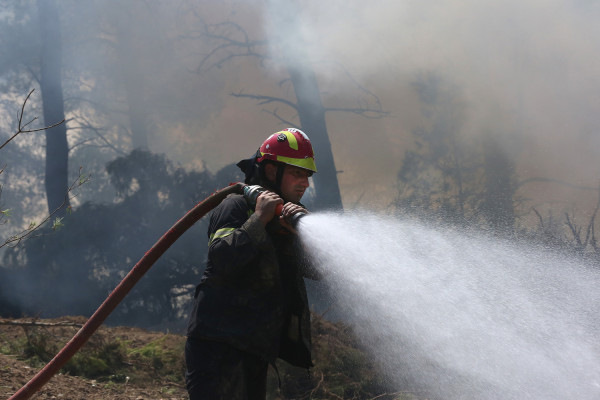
(138, 270)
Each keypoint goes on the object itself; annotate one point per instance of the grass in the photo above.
(116, 357)
(104, 358)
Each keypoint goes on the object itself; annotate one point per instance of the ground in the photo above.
(14, 373)
(134, 363)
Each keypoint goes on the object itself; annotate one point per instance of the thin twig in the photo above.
(576, 233)
(281, 119)
(539, 216)
(266, 99)
(362, 111)
(21, 128)
(14, 241)
(313, 391)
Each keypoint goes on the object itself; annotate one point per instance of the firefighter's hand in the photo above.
(290, 209)
(265, 206)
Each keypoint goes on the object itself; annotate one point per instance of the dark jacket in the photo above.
(252, 294)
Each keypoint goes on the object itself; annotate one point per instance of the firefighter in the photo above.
(251, 307)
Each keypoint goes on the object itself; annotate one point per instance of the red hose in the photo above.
(122, 289)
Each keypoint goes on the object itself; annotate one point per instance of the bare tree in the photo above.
(231, 41)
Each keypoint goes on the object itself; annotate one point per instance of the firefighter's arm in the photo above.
(235, 239)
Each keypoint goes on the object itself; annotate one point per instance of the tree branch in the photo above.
(85, 124)
(281, 119)
(576, 233)
(354, 82)
(231, 47)
(33, 227)
(539, 216)
(21, 127)
(364, 112)
(266, 99)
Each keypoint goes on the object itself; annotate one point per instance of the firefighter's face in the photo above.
(293, 183)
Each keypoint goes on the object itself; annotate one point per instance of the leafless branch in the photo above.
(97, 105)
(539, 216)
(266, 99)
(591, 230)
(84, 123)
(228, 47)
(81, 143)
(574, 230)
(590, 237)
(364, 112)
(355, 83)
(22, 126)
(281, 119)
(33, 227)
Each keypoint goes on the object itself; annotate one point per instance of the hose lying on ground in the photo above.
(122, 289)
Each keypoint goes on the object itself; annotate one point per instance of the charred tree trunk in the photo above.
(308, 102)
(133, 83)
(499, 187)
(312, 120)
(57, 150)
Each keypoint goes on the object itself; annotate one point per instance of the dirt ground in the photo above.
(15, 373)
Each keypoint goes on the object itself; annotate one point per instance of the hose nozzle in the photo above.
(251, 193)
(295, 219)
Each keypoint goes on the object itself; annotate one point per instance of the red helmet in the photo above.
(289, 146)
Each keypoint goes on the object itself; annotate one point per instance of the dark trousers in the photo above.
(218, 371)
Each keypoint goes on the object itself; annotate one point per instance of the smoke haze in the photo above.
(526, 71)
(523, 72)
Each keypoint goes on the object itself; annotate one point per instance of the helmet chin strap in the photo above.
(279, 177)
(261, 177)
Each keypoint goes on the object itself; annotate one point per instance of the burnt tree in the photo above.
(232, 41)
(57, 150)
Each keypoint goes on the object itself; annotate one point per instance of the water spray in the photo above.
(143, 265)
(462, 315)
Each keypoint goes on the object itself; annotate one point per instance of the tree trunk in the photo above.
(499, 188)
(290, 45)
(57, 150)
(133, 82)
(312, 121)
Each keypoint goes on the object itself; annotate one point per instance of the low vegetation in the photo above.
(116, 358)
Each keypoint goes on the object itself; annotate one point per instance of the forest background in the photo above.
(478, 114)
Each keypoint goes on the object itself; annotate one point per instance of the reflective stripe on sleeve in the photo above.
(220, 234)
